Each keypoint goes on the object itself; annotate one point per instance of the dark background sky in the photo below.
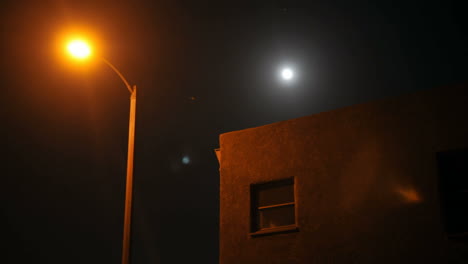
(64, 125)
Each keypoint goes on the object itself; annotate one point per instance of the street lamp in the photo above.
(79, 49)
(287, 74)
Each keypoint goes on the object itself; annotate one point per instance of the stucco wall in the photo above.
(366, 182)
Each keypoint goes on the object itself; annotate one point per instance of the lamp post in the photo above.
(80, 50)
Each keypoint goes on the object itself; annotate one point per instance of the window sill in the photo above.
(275, 230)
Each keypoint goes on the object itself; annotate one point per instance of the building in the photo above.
(380, 182)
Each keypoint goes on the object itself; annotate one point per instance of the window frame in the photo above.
(255, 188)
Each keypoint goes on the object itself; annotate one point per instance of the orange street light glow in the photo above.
(409, 195)
(79, 49)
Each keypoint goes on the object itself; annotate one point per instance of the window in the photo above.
(453, 186)
(273, 207)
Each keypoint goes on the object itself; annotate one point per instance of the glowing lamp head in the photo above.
(287, 74)
(79, 49)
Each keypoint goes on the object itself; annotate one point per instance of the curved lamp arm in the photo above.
(118, 73)
(129, 180)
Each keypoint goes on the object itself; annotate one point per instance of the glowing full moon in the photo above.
(287, 74)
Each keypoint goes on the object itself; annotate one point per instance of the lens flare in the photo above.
(186, 160)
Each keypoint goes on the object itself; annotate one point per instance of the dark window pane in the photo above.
(275, 194)
(453, 166)
(277, 216)
(453, 186)
(456, 213)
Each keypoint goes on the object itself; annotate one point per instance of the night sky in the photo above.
(202, 68)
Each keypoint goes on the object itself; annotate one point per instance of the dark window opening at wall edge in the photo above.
(453, 189)
(273, 207)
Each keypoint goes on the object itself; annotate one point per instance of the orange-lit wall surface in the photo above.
(366, 182)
